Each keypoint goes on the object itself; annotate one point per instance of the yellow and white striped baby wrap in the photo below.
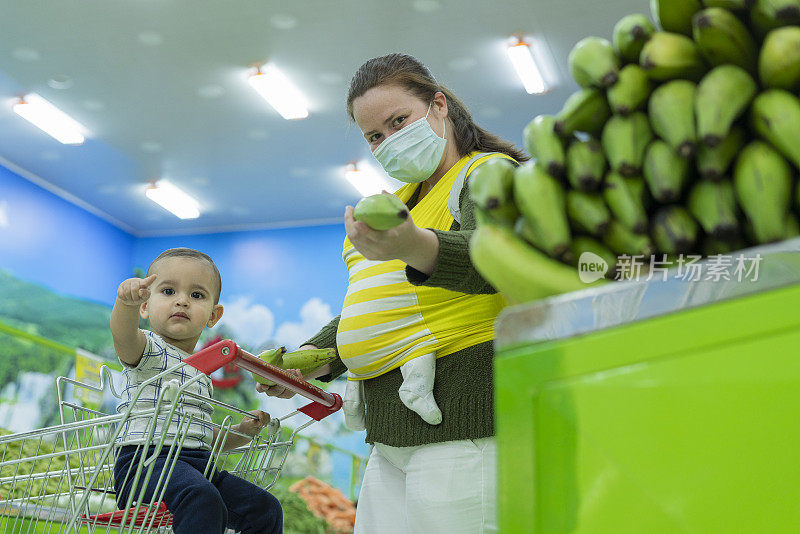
(387, 321)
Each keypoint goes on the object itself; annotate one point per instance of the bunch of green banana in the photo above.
(586, 164)
(623, 203)
(584, 244)
(675, 15)
(588, 212)
(665, 172)
(584, 111)
(723, 39)
(779, 60)
(541, 200)
(733, 5)
(491, 187)
(544, 144)
(714, 207)
(674, 230)
(631, 91)
(593, 63)
(639, 188)
(670, 56)
(620, 239)
(381, 212)
(763, 184)
(629, 36)
(624, 140)
(671, 111)
(776, 118)
(722, 96)
(766, 15)
(713, 162)
(272, 357)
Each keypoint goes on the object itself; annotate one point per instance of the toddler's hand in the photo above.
(252, 426)
(134, 291)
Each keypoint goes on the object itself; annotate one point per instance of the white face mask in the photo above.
(412, 153)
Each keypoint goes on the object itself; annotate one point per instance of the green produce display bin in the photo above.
(654, 407)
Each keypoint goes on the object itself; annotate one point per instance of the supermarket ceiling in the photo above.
(161, 86)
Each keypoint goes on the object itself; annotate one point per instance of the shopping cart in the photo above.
(60, 478)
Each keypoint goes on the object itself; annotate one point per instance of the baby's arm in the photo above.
(249, 425)
(129, 341)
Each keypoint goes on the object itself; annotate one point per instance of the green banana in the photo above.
(584, 111)
(733, 5)
(674, 230)
(670, 56)
(588, 212)
(593, 62)
(671, 112)
(665, 172)
(584, 244)
(273, 357)
(544, 144)
(524, 229)
(713, 162)
(541, 200)
(381, 212)
(491, 188)
(779, 60)
(307, 360)
(629, 36)
(714, 247)
(518, 271)
(624, 141)
(586, 164)
(722, 95)
(792, 227)
(722, 39)
(631, 91)
(639, 188)
(763, 184)
(776, 118)
(620, 239)
(623, 203)
(766, 15)
(675, 15)
(714, 207)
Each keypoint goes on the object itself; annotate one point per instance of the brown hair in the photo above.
(191, 253)
(409, 73)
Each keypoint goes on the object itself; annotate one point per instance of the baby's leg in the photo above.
(353, 406)
(251, 510)
(416, 392)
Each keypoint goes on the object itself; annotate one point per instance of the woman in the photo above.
(420, 477)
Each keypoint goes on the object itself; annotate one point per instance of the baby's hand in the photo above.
(252, 426)
(134, 291)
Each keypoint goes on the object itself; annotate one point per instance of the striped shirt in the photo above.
(159, 356)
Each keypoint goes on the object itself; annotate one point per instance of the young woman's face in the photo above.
(386, 109)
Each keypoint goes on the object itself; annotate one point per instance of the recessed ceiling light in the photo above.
(51, 120)
(427, 6)
(25, 54)
(173, 199)
(283, 21)
(60, 81)
(150, 146)
(150, 38)
(211, 91)
(280, 92)
(522, 59)
(94, 105)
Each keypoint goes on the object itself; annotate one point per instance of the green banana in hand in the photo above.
(541, 200)
(381, 212)
(733, 5)
(779, 60)
(273, 357)
(629, 36)
(665, 172)
(631, 91)
(620, 239)
(713, 162)
(586, 164)
(766, 15)
(593, 62)
(714, 207)
(625, 206)
(583, 244)
(674, 230)
(671, 111)
(518, 271)
(722, 95)
(588, 212)
(776, 118)
(307, 360)
(544, 144)
(624, 141)
(584, 111)
(491, 188)
(763, 183)
(675, 15)
(723, 39)
(670, 56)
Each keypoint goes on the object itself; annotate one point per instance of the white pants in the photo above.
(440, 488)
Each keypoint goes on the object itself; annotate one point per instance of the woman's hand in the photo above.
(277, 390)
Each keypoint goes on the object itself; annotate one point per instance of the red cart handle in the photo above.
(212, 358)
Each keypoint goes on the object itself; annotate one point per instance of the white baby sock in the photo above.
(416, 392)
(353, 405)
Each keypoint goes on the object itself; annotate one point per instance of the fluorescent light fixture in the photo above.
(276, 89)
(50, 119)
(528, 71)
(366, 179)
(173, 199)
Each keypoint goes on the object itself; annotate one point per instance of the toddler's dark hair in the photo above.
(191, 253)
